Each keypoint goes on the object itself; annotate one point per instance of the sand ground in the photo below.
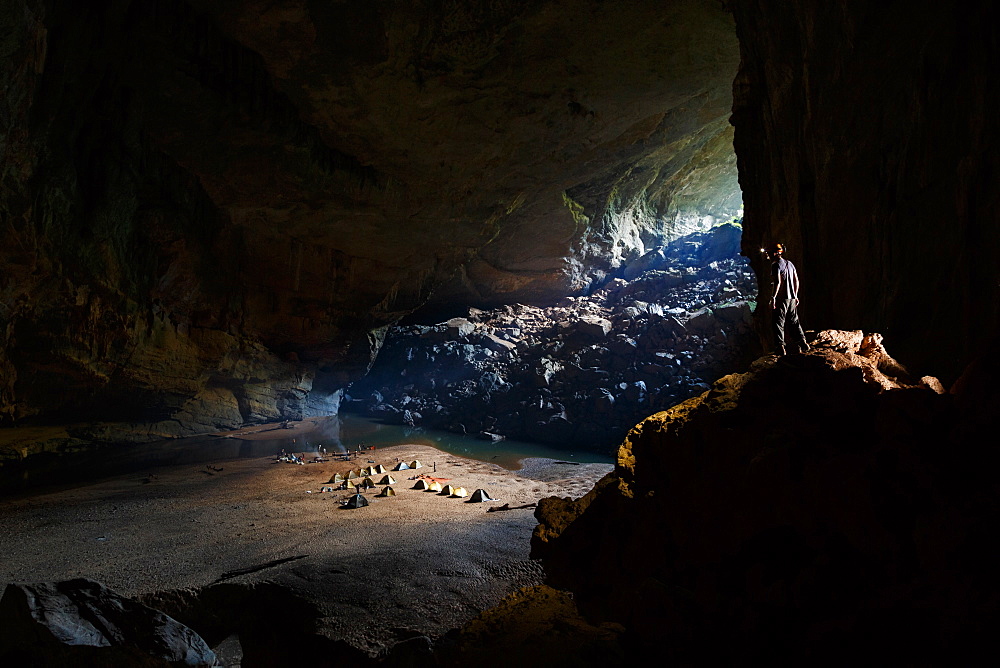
(414, 562)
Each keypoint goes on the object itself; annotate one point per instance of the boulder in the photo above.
(82, 621)
(734, 312)
(722, 242)
(546, 371)
(654, 259)
(702, 321)
(496, 344)
(593, 327)
(459, 328)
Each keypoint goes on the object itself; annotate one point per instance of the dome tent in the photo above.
(356, 501)
(479, 496)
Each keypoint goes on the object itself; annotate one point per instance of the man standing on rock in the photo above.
(785, 300)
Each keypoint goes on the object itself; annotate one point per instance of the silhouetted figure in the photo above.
(785, 301)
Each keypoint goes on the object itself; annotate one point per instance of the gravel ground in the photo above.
(414, 562)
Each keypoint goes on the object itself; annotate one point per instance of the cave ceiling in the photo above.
(504, 148)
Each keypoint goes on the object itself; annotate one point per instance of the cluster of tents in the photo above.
(358, 500)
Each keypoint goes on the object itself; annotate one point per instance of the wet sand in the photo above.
(414, 562)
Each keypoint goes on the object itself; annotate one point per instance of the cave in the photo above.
(510, 220)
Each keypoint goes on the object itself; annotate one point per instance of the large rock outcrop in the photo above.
(211, 208)
(83, 623)
(816, 509)
(866, 143)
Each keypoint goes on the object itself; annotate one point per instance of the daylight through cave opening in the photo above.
(671, 314)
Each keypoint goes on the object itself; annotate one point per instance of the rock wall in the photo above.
(212, 208)
(866, 144)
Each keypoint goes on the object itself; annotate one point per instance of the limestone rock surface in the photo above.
(816, 508)
(81, 622)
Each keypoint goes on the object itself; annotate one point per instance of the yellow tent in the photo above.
(434, 487)
(388, 491)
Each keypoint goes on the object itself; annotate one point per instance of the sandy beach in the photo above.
(417, 562)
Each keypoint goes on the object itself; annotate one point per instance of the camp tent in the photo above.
(434, 487)
(347, 484)
(459, 493)
(378, 469)
(421, 484)
(479, 496)
(356, 501)
(367, 483)
(401, 466)
(387, 480)
(353, 474)
(388, 491)
(447, 490)
(415, 464)
(335, 479)
(366, 470)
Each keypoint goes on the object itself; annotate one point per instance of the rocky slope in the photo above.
(815, 509)
(584, 371)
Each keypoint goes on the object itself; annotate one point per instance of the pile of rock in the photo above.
(583, 371)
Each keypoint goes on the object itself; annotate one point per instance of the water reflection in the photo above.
(335, 434)
(350, 432)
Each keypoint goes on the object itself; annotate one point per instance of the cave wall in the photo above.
(866, 143)
(211, 209)
(123, 292)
